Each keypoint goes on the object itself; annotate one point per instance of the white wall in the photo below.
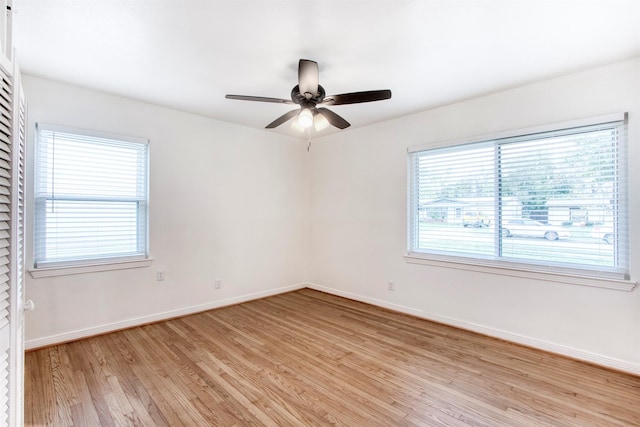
(358, 223)
(226, 202)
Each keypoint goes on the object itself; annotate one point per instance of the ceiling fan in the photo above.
(311, 98)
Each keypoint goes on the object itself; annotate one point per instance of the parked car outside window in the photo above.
(475, 219)
(525, 227)
(604, 232)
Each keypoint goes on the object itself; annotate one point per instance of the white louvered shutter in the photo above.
(6, 135)
(12, 142)
(16, 366)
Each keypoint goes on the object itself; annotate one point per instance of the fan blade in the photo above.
(357, 97)
(283, 118)
(259, 98)
(334, 119)
(308, 78)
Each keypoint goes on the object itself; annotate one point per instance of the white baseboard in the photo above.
(124, 324)
(575, 353)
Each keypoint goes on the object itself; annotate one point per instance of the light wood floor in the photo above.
(307, 358)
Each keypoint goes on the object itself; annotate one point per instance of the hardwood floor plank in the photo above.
(85, 413)
(126, 383)
(308, 358)
(172, 396)
(93, 381)
(65, 396)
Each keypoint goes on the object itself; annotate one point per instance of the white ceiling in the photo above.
(188, 54)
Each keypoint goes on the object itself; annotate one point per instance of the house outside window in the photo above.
(552, 199)
(90, 197)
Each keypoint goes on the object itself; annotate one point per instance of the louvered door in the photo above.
(6, 135)
(16, 277)
(12, 139)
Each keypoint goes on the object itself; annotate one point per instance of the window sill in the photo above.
(570, 279)
(38, 273)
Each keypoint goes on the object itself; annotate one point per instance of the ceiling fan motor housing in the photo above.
(300, 99)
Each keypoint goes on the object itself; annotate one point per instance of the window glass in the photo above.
(554, 198)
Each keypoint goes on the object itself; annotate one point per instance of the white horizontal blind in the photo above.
(555, 199)
(90, 197)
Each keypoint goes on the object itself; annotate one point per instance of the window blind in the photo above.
(554, 199)
(90, 197)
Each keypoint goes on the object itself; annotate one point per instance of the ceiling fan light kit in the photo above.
(305, 118)
(310, 96)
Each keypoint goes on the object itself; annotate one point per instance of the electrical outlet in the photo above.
(218, 283)
(159, 275)
(391, 285)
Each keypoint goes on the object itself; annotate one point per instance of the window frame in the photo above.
(566, 275)
(98, 263)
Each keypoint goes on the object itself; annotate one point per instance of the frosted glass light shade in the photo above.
(305, 118)
(320, 122)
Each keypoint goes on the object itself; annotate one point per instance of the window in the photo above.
(90, 198)
(546, 200)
